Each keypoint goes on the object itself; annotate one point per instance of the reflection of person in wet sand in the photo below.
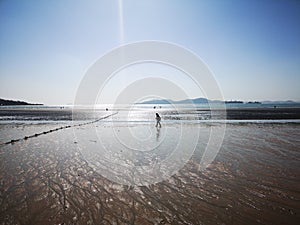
(157, 133)
(158, 119)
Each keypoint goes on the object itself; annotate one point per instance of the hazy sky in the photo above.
(252, 47)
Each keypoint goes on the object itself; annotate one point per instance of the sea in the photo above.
(144, 113)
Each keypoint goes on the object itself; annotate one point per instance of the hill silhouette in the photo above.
(12, 102)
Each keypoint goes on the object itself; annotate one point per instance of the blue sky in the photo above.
(252, 47)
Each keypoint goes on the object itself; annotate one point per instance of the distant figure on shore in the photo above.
(158, 119)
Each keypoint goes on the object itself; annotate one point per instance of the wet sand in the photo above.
(66, 114)
(263, 113)
(254, 180)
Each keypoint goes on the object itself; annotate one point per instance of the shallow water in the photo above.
(59, 176)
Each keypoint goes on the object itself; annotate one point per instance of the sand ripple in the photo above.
(254, 180)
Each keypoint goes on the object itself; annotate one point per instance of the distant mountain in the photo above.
(168, 101)
(206, 101)
(193, 101)
(157, 101)
(12, 102)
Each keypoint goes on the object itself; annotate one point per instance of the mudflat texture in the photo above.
(253, 180)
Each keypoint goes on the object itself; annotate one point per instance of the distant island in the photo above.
(241, 102)
(234, 102)
(4, 102)
(206, 101)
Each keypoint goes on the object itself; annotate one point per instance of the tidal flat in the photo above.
(49, 179)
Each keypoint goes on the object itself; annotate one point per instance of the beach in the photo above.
(150, 112)
(68, 172)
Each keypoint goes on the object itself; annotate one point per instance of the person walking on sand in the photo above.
(158, 119)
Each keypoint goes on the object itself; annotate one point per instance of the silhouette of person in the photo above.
(158, 119)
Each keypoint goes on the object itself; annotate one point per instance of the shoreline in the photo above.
(58, 114)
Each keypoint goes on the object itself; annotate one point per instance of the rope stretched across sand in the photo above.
(57, 129)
